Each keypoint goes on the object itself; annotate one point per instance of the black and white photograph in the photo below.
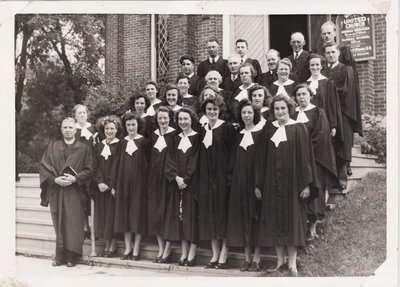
(200, 142)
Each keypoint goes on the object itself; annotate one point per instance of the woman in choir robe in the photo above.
(244, 204)
(157, 193)
(216, 151)
(260, 99)
(181, 169)
(172, 97)
(106, 155)
(130, 197)
(139, 104)
(187, 99)
(247, 73)
(285, 176)
(324, 96)
(86, 133)
(152, 93)
(317, 123)
(208, 91)
(283, 85)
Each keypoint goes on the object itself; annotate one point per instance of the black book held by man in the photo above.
(69, 170)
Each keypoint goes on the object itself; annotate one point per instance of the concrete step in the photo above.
(28, 201)
(27, 190)
(29, 178)
(361, 172)
(31, 212)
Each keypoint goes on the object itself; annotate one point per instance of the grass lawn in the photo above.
(354, 239)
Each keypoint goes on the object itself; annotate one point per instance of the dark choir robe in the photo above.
(244, 210)
(157, 193)
(347, 86)
(325, 97)
(256, 65)
(282, 173)
(300, 67)
(151, 111)
(105, 171)
(268, 78)
(318, 127)
(130, 198)
(190, 101)
(146, 125)
(66, 204)
(231, 85)
(221, 66)
(232, 102)
(88, 135)
(215, 179)
(181, 215)
(288, 87)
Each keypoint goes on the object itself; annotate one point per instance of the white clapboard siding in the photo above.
(253, 29)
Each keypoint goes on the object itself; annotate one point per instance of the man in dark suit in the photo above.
(242, 48)
(187, 63)
(299, 58)
(270, 76)
(232, 82)
(213, 62)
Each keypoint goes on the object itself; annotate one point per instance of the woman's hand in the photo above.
(180, 182)
(305, 193)
(70, 178)
(333, 132)
(257, 192)
(103, 187)
(113, 192)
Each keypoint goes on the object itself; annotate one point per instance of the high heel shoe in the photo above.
(157, 259)
(110, 254)
(211, 264)
(222, 265)
(165, 259)
(190, 263)
(127, 256)
(280, 268)
(182, 262)
(136, 257)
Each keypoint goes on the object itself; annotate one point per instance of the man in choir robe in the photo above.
(65, 169)
(270, 76)
(242, 48)
(299, 58)
(347, 86)
(232, 82)
(213, 62)
(187, 63)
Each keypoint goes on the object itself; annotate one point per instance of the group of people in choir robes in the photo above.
(230, 156)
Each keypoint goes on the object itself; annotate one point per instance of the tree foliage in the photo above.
(59, 61)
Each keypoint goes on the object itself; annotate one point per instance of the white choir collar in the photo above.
(320, 77)
(137, 136)
(188, 96)
(87, 125)
(286, 83)
(192, 133)
(309, 107)
(264, 109)
(169, 130)
(277, 125)
(112, 142)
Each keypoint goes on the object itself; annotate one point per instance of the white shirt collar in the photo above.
(169, 130)
(320, 77)
(333, 65)
(113, 141)
(298, 53)
(137, 136)
(190, 76)
(215, 59)
(287, 83)
(290, 122)
(188, 96)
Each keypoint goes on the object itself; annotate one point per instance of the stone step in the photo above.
(28, 201)
(27, 190)
(365, 162)
(32, 212)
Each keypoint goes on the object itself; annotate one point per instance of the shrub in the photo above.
(375, 132)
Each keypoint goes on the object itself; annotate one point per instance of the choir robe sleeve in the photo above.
(351, 100)
(192, 166)
(230, 137)
(306, 171)
(47, 173)
(260, 158)
(97, 174)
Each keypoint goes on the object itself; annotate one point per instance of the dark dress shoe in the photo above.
(245, 266)
(165, 259)
(349, 171)
(211, 264)
(182, 262)
(190, 263)
(281, 268)
(254, 267)
(127, 256)
(222, 265)
(136, 257)
(56, 262)
(110, 254)
(157, 259)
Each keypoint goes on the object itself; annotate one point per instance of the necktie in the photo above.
(213, 61)
(297, 55)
